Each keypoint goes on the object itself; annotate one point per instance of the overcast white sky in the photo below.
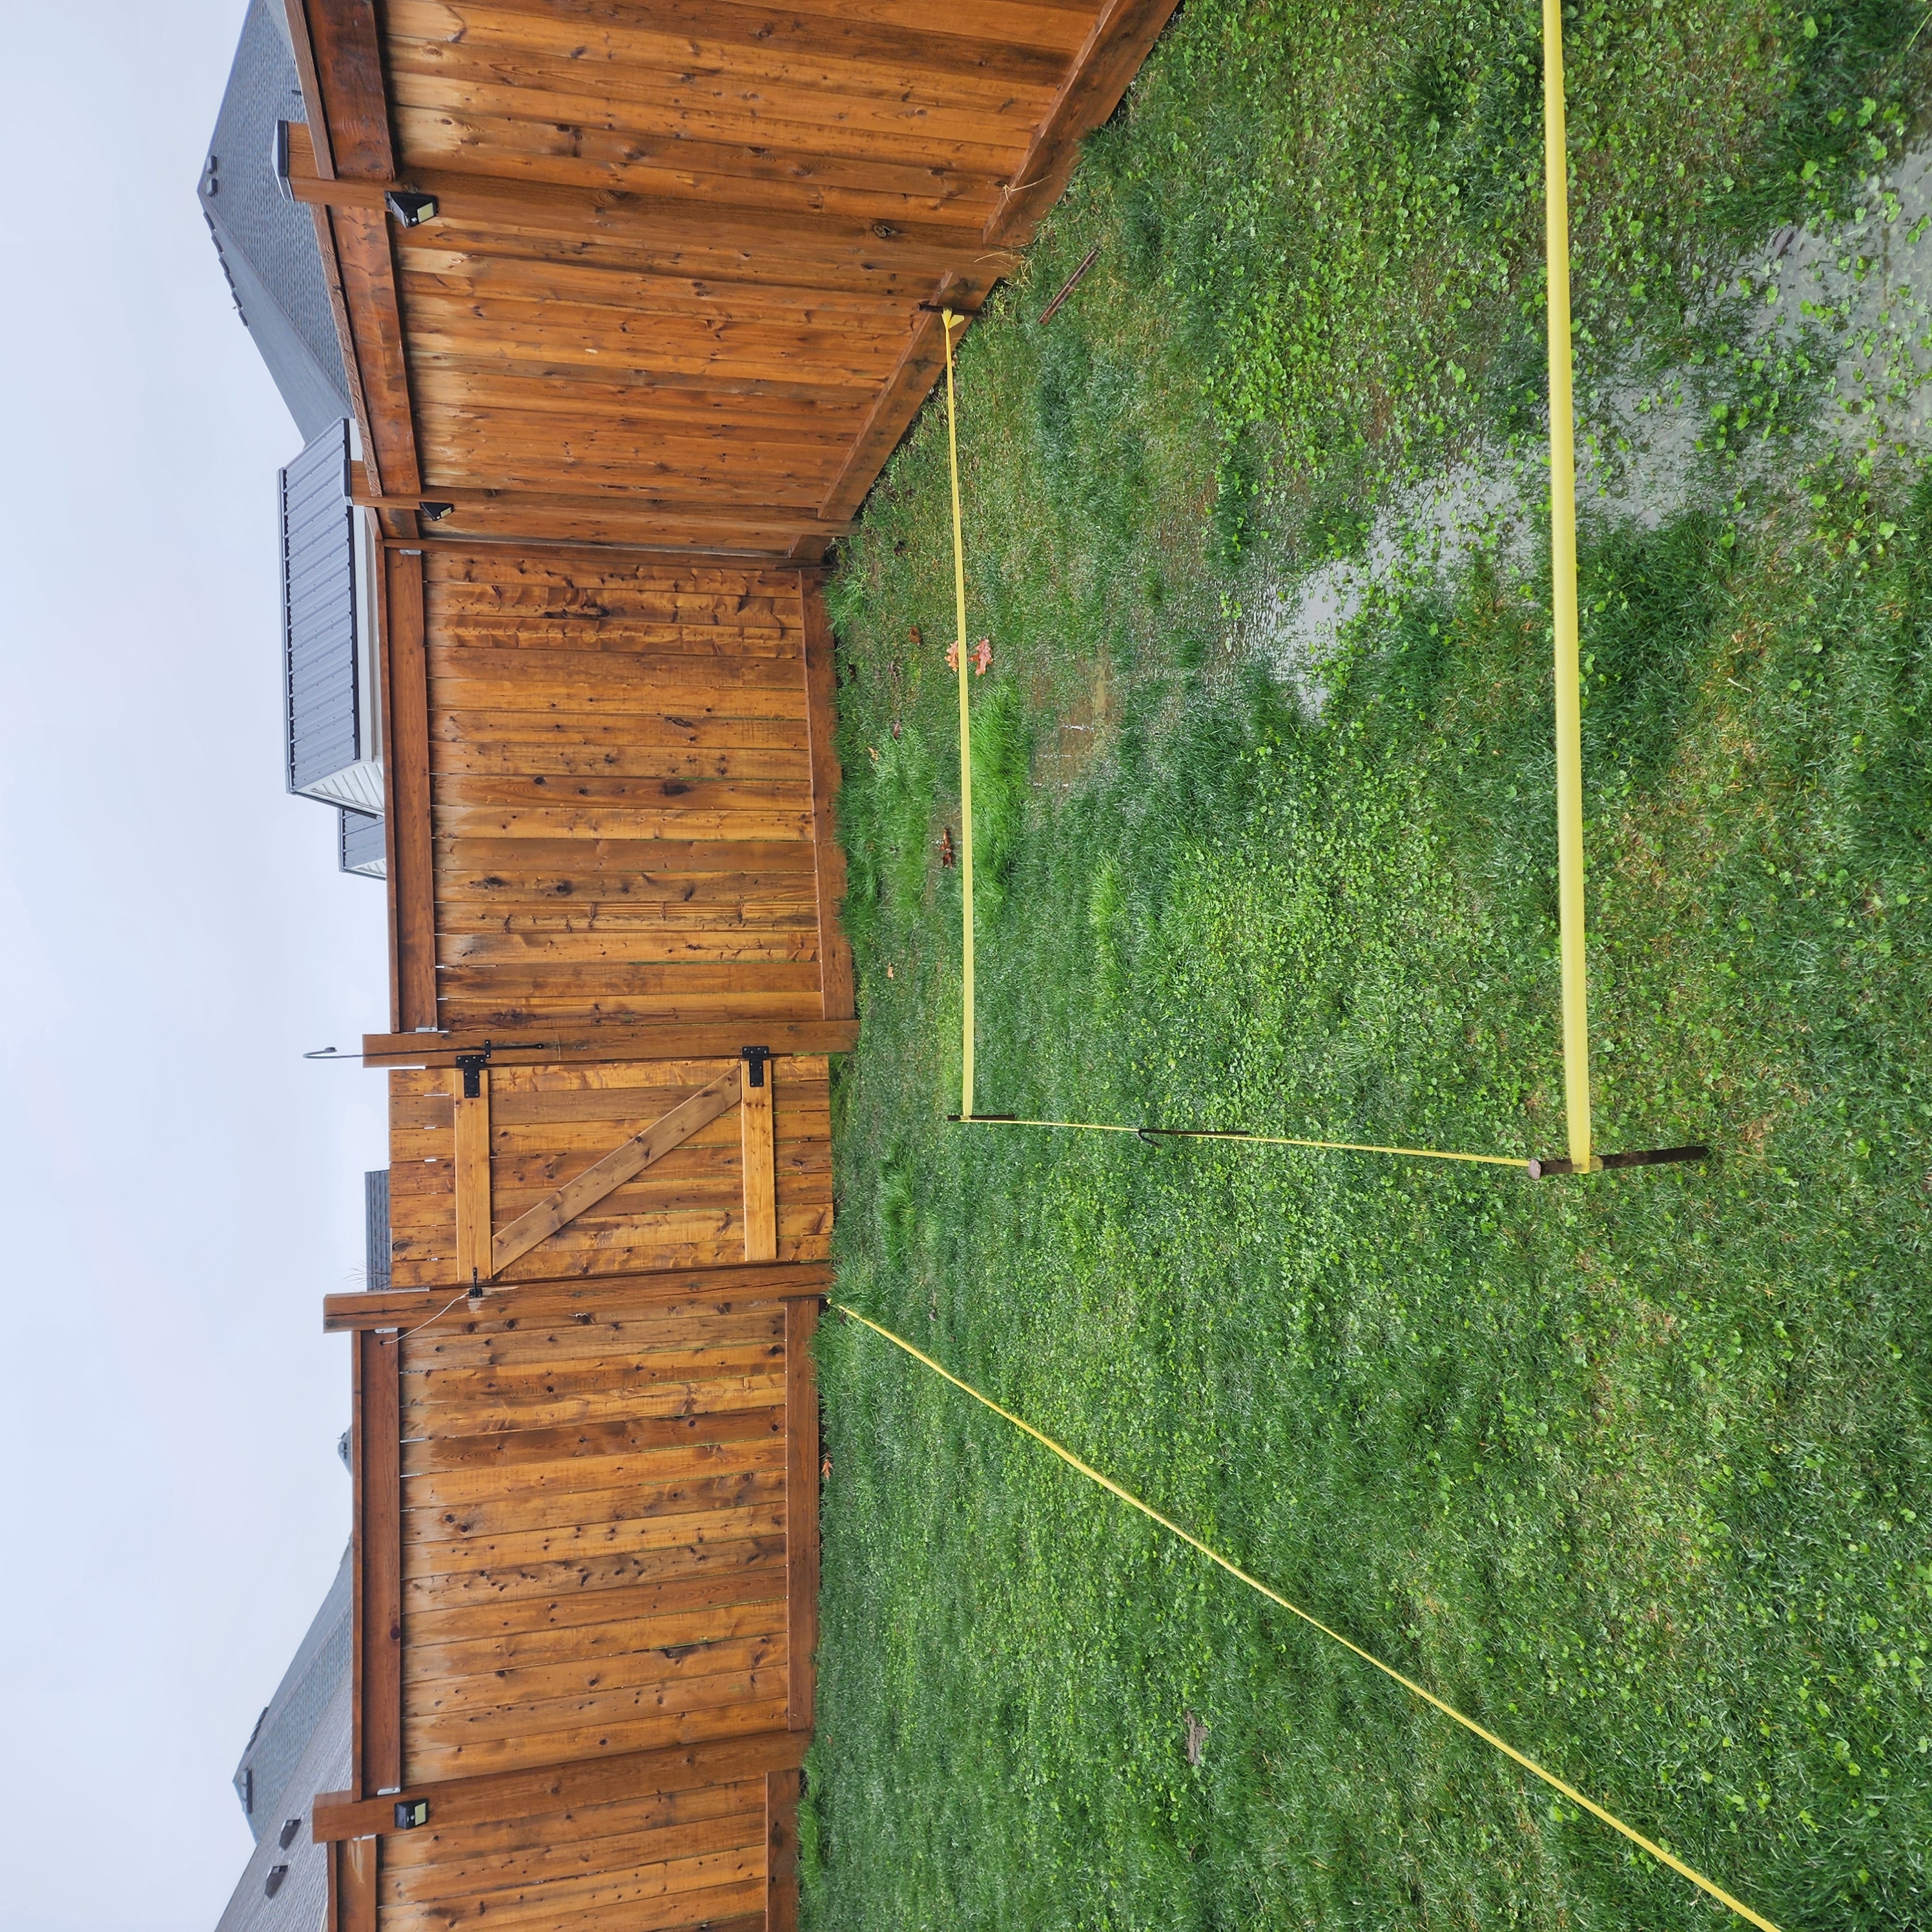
(182, 1188)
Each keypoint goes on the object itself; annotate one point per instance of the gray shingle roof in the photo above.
(283, 1731)
(266, 241)
(300, 1746)
(301, 1900)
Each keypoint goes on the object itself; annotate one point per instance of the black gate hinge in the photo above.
(472, 1066)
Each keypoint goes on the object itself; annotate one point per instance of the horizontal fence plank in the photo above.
(684, 1547)
(692, 1509)
(558, 757)
(804, 1238)
(747, 943)
(551, 90)
(859, 113)
(538, 868)
(658, 795)
(617, 1907)
(645, 1670)
(576, 734)
(500, 1338)
(627, 1495)
(666, 1702)
(499, 267)
(582, 1645)
(495, 1411)
(456, 1489)
(633, 823)
(472, 1873)
(539, 986)
(497, 1840)
(517, 1453)
(804, 1232)
(475, 1007)
(745, 1580)
(476, 676)
(642, 1732)
(445, 566)
(847, 51)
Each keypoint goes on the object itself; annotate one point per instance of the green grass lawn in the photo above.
(1633, 1469)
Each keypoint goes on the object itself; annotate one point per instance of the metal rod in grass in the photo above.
(1072, 282)
(1536, 1168)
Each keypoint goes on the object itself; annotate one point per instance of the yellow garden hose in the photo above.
(1563, 591)
(1255, 1583)
(947, 321)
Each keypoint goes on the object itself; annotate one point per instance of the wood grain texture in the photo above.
(475, 1262)
(899, 397)
(837, 990)
(516, 1307)
(700, 202)
(1122, 36)
(406, 770)
(569, 674)
(801, 1475)
(367, 264)
(505, 1876)
(356, 1867)
(602, 1042)
(595, 1528)
(547, 1791)
(551, 1124)
(757, 1171)
(782, 1791)
(565, 1203)
(674, 312)
(378, 1615)
(308, 76)
(346, 48)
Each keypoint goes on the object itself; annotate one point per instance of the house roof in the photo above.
(266, 241)
(300, 1902)
(300, 1746)
(282, 1731)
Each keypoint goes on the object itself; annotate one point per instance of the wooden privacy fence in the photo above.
(636, 297)
(616, 784)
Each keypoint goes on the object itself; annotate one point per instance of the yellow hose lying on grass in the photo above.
(1255, 1583)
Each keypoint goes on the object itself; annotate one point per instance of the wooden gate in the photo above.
(587, 1578)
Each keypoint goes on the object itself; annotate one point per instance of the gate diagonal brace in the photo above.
(560, 1208)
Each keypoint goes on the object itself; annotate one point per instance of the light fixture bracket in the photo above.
(410, 207)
